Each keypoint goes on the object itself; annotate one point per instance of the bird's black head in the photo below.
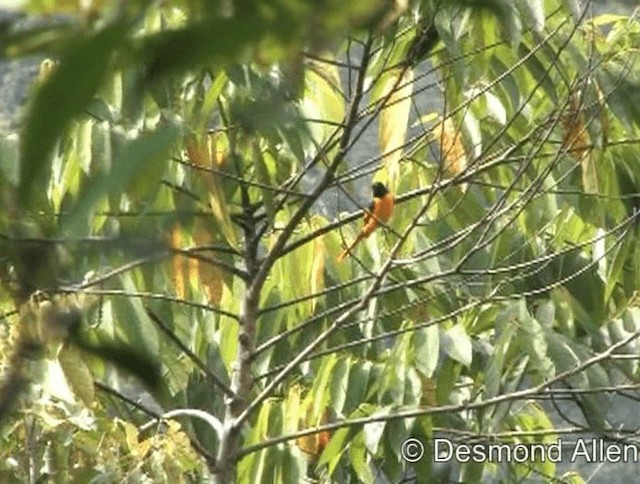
(379, 189)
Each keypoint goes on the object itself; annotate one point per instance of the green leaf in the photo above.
(427, 349)
(229, 332)
(335, 448)
(394, 378)
(631, 319)
(446, 382)
(83, 144)
(373, 431)
(149, 148)
(531, 336)
(292, 469)
(214, 40)
(62, 96)
(101, 155)
(457, 344)
(323, 100)
(495, 108)
(471, 471)
(565, 358)
(339, 384)
(471, 127)
(357, 387)
(320, 384)
(538, 71)
(264, 463)
(497, 361)
(594, 413)
(358, 458)
(9, 159)
(135, 323)
(546, 313)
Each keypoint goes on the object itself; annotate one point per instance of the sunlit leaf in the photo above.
(457, 344)
(395, 96)
(427, 349)
(55, 383)
(373, 432)
(533, 11)
(322, 98)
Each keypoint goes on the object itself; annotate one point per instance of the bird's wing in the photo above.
(369, 211)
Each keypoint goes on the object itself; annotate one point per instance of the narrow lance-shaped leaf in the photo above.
(394, 118)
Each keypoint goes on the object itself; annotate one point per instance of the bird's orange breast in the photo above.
(380, 211)
(385, 207)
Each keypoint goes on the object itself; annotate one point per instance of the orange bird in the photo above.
(379, 211)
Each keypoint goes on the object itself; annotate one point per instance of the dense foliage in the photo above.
(187, 173)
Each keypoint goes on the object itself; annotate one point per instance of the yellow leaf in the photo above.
(177, 263)
(210, 275)
(576, 141)
(292, 413)
(454, 158)
(206, 152)
(220, 211)
(193, 270)
(219, 148)
(138, 449)
(576, 138)
(313, 444)
(197, 151)
(308, 444)
(394, 117)
(428, 392)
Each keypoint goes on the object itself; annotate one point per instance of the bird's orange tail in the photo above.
(343, 255)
